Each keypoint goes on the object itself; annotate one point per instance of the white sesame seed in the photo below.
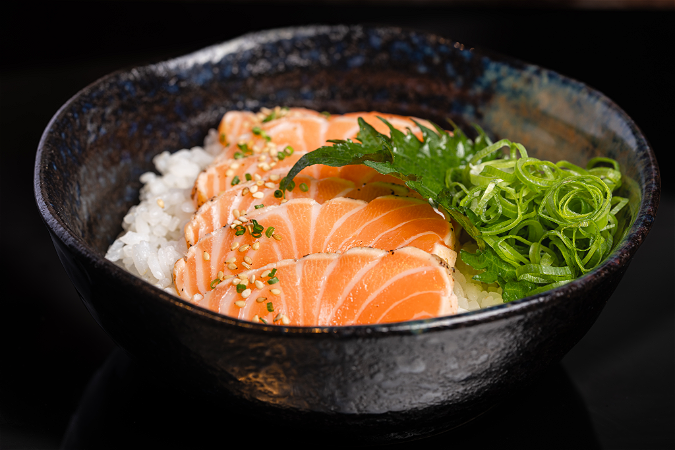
(273, 153)
(277, 236)
(234, 245)
(259, 284)
(240, 303)
(244, 247)
(262, 158)
(236, 281)
(265, 273)
(266, 167)
(275, 291)
(243, 281)
(248, 266)
(197, 297)
(272, 164)
(252, 279)
(232, 266)
(260, 182)
(227, 277)
(246, 293)
(230, 260)
(257, 177)
(270, 185)
(229, 172)
(160, 203)
(274, 177)
(236, 222)
(258, 195)
(260, 299)
(220, 275)
(244, 191)
(234, 166)
(255, 318)
(206, 256)
(285, 320)
(248, 260)
(233, 226)
(236, 213)
(256, 245)
(277, 317)
(253, 189)
(284, 200)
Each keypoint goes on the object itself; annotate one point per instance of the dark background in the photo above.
(615, 389)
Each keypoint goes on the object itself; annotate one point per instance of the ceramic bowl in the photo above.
(380, 381)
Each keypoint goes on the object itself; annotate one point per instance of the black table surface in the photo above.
(63, 382)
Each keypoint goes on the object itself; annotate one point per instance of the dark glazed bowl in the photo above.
(381, 381)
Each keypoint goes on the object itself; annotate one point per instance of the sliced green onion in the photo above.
(235, 180)
(270, 307)
(288, 150)
(241, 288)
(248, 176)
(259, 206)
(278, 193)
(269, 232)
(239, 230)
(303, 187)
(216, 282)
(274, 280)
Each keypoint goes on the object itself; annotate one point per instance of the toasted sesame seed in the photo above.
(253, 189)
(240, 303)
(284, 200)
(234, 166)
(257, 177)
(260, 299)
(197, 297)
(236, 222)
(258, 195)
(277, 236)
(160, 203)
(272, 164)
(248, 266)
(248, 260)
(259, 284)
(244, 247)
(266, 167)
(246, 293)
(270, 185)
(229, 172)
(233, 226)
(274, 177)
(220, 275)
(255, 318)
(275, 291)
(250, 228)
(285, 320)
(277, 317)
(236, 213)
(244, 191)
(256, 245)
(243, 281)
(234, 245)
(227, 277)
(232, 266)
(206, 256)
(236, 281)
(230, 260)
(265, 273)
(252, 279)
(273, 152)
(260, 182)
(262, 158)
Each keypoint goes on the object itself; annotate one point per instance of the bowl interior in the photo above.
(97, 146)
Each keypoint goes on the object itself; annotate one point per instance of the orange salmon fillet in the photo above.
(360, 286)
(304, 226)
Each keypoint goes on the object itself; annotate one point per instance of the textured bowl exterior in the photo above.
(397, 380)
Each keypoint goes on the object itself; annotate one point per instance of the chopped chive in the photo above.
(238, 155)
(281, 156)
(269, 232)
(235, 180)
(273, 272)
(241, 288)
(303, 187)
(248, 176)
(289, 150)
(263, 320)
(270, 307)
(216, 281)
(260, 132)
(223, 139)
(243, 146)
(326, 114)
(239, 230)
(274, 280)
(291, 186)
(259, 206)
(271, 116)
(278, 193)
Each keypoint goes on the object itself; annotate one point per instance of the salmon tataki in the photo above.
(360, 286)
(302, 226)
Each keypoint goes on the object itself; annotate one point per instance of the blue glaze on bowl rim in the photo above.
(617, 261)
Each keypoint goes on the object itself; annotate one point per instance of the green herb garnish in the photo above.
(260, 132)
(270, 307)
(215, 283)
(259, 206)
(303, 187)
(239, 230)
(257, 229)
(248, 176)
(241, 288)
(274, 280)
(269, 232)
(235, 180)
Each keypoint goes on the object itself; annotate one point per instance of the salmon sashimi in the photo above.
(302, 226)
(300, 128)
(359, 286)
(241, 199)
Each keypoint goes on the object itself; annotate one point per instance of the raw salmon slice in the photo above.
(303, 227)
(360, 286)
(241, 199)
(302, 129)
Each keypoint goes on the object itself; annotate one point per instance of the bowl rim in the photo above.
(619, 258)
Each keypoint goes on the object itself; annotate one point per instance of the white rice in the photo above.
(153, 238)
